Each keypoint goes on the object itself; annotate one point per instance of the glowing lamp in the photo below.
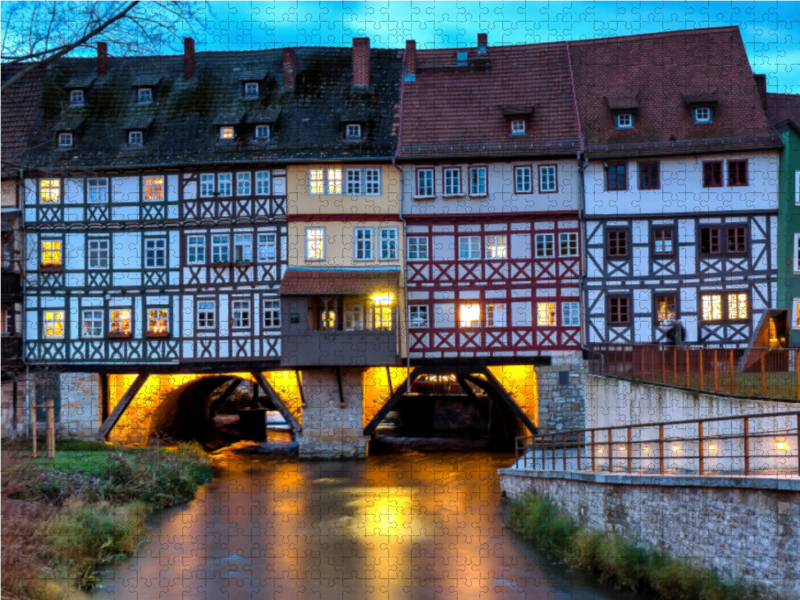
(382, 299)
(599, 450)
(676, 448)
(781, 445)
(622, 448)
(712, 447)
(647, 449)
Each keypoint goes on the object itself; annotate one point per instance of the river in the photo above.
(410, 524)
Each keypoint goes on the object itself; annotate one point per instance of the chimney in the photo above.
(102, 59)
(188, 58)
(483, 43)
(761, 84)
(361, 61)
(289, 65)
(411, 61)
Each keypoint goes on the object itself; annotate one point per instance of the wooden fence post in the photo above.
(763, 377)
(733, 375)
(716, 370)
(675, 366)
(702, 374)
(688, 379)
(33, 428)
(51, 429)
(663, 366)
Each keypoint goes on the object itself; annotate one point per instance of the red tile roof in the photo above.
(661, 71)
(20, 103)
(783, 107)
(297, 282)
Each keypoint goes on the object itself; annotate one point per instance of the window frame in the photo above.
(247, 308)
(90, 250)
(617, 188)
(204, 185)
(91, 186)
(710, 164)
(52, 252)
(447, 172)
(610, 298)
(669, 294)
(353, 177)
(485, 191)
(377, 182)
(134, 133)
(555, 178)
(618, 230)
(672, 238)
(77, 97)
(58, 324)
(723, 230)
(274, 310)
(323, 255)
(571, 234)
(262, 138)
(53, 188)
(493, 249)
(517, 190)
(738, 163)
(224, 130)
(149, 93)
(260, 182)
(244, 241)
(618, 120)
(244, 178)
(795, 313)
(114, 329)
(797, 188)
(92, 319)
(417, 172)
(650, 185)
(155, 239)
(416, 321)
(573, 317)
(65, 139)
(461, 240)
(491, 313)
(157, 314)
(536, 237)
(190, 246)
(248, 85)
(796, 259)
(218, 246)
(381, 231)
(550, 313)
(266, 245)
(696, 115)
(356, 132)
(203, 323)
(518, 127)
(412, 244)
(225, 185)
(725, 306)
(326, 182)
(368, 242)
(155, 182)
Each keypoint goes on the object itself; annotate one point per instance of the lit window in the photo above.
(153, 188)
(545, 245)
(334, 181)
(364, 243)
(662, 241)
(624, 121)
(76, 97)
(665, 309)
(325, 181)
(51, 253)
(267, 247)
(144, 95)
(469, 248)
(196, 245)
(469, 315)
(517, 126)
(495, 315)
(380, 312)
(262, 183)
(373, 182)
(418, 317)
(50, 190)
(477, 181)
(157, 321)
(92, 323)
(206, 314)
(425, 183)
(225, 184)
(418, 248)
(251, 89)
(711, 306)
(546, 314)
(316, 181)
(206, 185)
(54, 324)
(262, 132)
(243, 248)
(226, 133)
(702, 115)
(568, 244)
(315, 243)
(135, 138)
(353, 182)
(353, 131)
(155, 253)
(65, 140)
(98, 191)
(547, 179)
(570, 314)
(98, 254)
(522, 180)
(796, 313)
(272, 313)
(353, 315)
(452, 182)
(496, 246)
(241, 314)
(618, 310)
(389, 239)
(219, 249)
(243, 184)
(737, 306)
(121, 322)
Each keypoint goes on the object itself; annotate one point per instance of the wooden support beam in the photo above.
(485, 411)
(509, 401)
(122, 405)
(276, 400)
(393, 399)
(225, 395)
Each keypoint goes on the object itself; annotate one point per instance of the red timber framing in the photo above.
(518, 282)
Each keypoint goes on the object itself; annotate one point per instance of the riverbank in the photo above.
(64, 518)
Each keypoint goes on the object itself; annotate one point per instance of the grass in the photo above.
(65, 517)
(615, 560)
(776, 385)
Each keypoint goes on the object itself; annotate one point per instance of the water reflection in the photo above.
(407, 525)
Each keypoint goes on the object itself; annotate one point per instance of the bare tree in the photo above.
(37, 33)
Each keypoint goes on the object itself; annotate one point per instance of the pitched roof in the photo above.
(20, 102)
(297, 281)
(453, 110)
(783, 107)
(306, 119)
(664, 71)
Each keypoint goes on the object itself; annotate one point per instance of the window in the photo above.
(797, 188)
(517, 126)
(65, 140)
(315, 243)
(797, 252)
(496, 246)
(243, 184)
(325, 181)
(617, 177)
(226, 133)
(796, 314)
(51, 253)
(54, 324)
(522, 180)
(225, 184)
(712, 174)
(206, 185)
(702, 115)
(618, 310)
(570, 314)
(649, 176)
(425, 183)
(418, 248)
(545, 245)
(469, 248)
(241, 314)
(373, 182)
(547, 179)
(251, 89)
(353, 182)
(135, 138)
(98, 254)
(50, 190)
(737, 172)
(624, 121)
(469, 314)
(316, 181)
(418, 317)
(364, 243)
(76, 97)
(665, 309)
(353, 131)
(262, 132)
(219, 249)
(144, 95)
(389, 238)
(710, 240)
(153, 188)
(334, 183)
(262, 183)
(196, 245)
(98, 191)
(477, 181)
(737, 240)
(546, 314)
(617, 242)
(452, 182)
(568, 244)
(662, 241)
(353, 315)
(267, 246)
(121, 322)
(155, 253)
(158, 321)
(272, 313)
(713, 306)
(206, 314)
(327, 320)
(242, 248)
(381, 312)
(92, 323)
(737, 306)
(495, 315)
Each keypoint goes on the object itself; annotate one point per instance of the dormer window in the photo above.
(262, 132)
(518, 127)
(65, 140)
(353, 131)
(251, 89)
(76, 98)
(144, 95)
(461, 59)
(624, 121)
(702, 115)
(226, 133)
(135, 138)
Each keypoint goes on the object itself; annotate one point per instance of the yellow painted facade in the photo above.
(520, 382)
(377, 390)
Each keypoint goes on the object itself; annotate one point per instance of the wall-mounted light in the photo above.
(647, 449)
(781, 445)
(599, 450)
(712, 448)
(676, 448)
(622, 448)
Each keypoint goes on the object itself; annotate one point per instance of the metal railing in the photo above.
(749, 372)
(765, 443)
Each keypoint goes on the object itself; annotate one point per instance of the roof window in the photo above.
(135, 138)
(353, 131)
(65, 139)
(702, 114)
(262, 132)
(461, 59)
(76, 97)
(144, 95)
(624, 120)
(251, 89)
(226, 133)
(518, 127)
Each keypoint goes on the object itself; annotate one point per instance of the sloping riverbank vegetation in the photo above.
(64, 518)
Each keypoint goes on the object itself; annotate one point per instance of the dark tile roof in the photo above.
(19, 111)
(463, 110)
(297, 281)
(663, 72)
(783, 107)
(187, 114)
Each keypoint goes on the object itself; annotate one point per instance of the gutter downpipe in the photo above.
(405, 225)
